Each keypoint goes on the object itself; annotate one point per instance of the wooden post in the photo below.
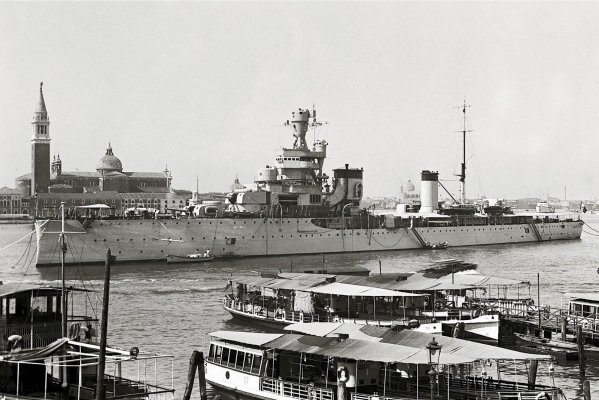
(586, 389)
(581, 356)
(100, 389)
(191, 374)
(564, 328)
(532, 374)
(539, 302)
(202, 377)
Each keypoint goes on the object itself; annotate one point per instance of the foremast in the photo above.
(462, 174)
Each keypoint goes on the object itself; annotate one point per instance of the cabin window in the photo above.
(247, 364)
(212, 351)
(239, 361)
(256, 364)
(218, 354)
(225, 356)
(40, 304)
(232, 357)
(12, 306)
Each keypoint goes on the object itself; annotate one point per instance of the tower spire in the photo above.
(40, 147)
(41, 106)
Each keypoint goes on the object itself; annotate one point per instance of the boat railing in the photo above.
(374, 396)
(41, 334)
(296, 390)
(589, 322)
(514, 308)
(476, 388)
(278, 314)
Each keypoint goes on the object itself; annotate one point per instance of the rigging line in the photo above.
(592, 234)
(590, 227)
(25, 253)
(17, 241)
(25, 273)
(393, 245)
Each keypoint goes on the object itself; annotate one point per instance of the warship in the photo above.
(291, 208)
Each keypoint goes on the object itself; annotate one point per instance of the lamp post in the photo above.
(434, 353)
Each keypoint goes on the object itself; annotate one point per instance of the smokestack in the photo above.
(429, 193)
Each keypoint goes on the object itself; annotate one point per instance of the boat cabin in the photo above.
(583, 309)
(68, 369)
(292, 366)
(33, 312)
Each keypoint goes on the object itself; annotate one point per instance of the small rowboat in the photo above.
(190, 258)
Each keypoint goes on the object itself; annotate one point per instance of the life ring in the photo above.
(358, 190)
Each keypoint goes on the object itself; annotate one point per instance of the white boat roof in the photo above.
(417, 340)
(583, 296)
(356, 285)
(345, 289)
(249, 338)
(362, 350)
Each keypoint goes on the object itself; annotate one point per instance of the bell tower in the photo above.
(40, 148)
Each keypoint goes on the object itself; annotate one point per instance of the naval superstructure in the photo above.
(291, 208)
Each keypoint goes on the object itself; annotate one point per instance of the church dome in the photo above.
(109, 162)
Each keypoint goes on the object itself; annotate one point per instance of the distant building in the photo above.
(47, 185)
(11, 202)
(408, 194)
(48, 204)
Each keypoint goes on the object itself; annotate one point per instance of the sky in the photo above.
(204, 88)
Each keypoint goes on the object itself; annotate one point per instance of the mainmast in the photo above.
(462, 175)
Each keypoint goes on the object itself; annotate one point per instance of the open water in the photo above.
(169, 309)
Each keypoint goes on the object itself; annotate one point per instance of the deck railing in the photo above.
(264, 312)
(41, 334)
(296, 390)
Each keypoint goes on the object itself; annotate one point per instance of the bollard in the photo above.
(191, 374)
(581, 356)
(586, 389)
(202, 377)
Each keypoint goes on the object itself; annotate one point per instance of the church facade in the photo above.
(109, 181)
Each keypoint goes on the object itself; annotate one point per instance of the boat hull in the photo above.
(269, 322)
(150, 240)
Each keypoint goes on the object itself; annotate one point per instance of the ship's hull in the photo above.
(150, 240)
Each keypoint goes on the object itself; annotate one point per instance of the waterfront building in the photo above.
(47, 185)
(11, 202)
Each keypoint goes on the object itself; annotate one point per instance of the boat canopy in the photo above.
(345, 289)
(248, 338)
(360, 350)
(357, 285)
(417, 281)
(417, 340)
(8, 289)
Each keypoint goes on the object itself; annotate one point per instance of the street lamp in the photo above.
(434, 354)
